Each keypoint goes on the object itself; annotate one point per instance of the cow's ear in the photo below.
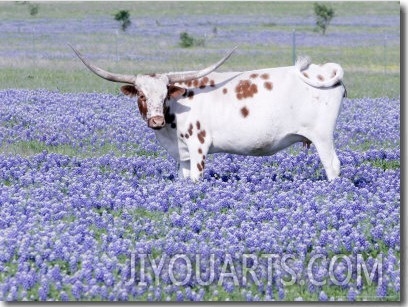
(129, 90)
(175, 91)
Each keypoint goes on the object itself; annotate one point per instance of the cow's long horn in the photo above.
(103, 73)
(188, 76)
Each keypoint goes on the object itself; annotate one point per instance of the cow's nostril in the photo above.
(156, 122)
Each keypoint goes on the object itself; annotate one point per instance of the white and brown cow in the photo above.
(249, 113)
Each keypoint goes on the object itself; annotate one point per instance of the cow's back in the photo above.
(258, 112)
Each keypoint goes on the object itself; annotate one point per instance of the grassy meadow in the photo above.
(85, 185)
(363, 37)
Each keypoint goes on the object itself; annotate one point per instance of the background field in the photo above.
(363, 38)
(84, 183)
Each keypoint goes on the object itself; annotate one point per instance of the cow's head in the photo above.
(152, 90)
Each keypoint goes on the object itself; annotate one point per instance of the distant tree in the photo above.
(324, 15)
(123, 17)
(186, 40)
(33, 8)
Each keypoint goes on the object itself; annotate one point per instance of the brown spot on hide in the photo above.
(268, 85)
(198, 125)
(224, 90)
(246, 89)
(334, 72)
(141, 103)
(200, 151)
(200, 168)
(195, 83)
(212, 83)
(244, 112)
(320, 77)
(190, 94)
(204, 82)
(175, 91)
(186, 136)
(203, 157)
(190, 129)
(201, 136)
(265, 76)
(253, 76)
(305, 74)
(202, 164)
(181, 135)
(189, 83)
(129, 90)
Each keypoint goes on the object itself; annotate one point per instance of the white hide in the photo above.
(281, 106)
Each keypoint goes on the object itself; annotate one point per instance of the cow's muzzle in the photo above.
(156, 122)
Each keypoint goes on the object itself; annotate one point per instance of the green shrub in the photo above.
(32, 8)
(123, 17)
(324, 15)
(186, 40)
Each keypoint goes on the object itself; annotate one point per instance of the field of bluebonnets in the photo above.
(91, 207)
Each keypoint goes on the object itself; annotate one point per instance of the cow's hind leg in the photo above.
(328, 156)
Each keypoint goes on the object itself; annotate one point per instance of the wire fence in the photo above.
(152, 46)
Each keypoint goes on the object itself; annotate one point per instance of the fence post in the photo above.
(116, 45)
(33, 42)
(294, 46)
(385, 54)
(384, 86)
(34, 53)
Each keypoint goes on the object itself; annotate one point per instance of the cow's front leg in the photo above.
(198, 141)
(197, 164)
(184, 169)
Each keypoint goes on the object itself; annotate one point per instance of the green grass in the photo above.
(12, 10)
(371, 71)
(386, 165)
(29, 148)
(376, 81)
(366, 75)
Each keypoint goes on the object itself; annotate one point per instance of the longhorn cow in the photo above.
(258, 112)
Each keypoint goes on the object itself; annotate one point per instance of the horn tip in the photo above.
(75, 50)
(69, 45)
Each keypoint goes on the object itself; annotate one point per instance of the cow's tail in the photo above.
(326, 75)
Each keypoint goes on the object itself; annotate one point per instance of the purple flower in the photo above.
(382, 290)
(323, 296)
(73, 219)
(352, 294)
